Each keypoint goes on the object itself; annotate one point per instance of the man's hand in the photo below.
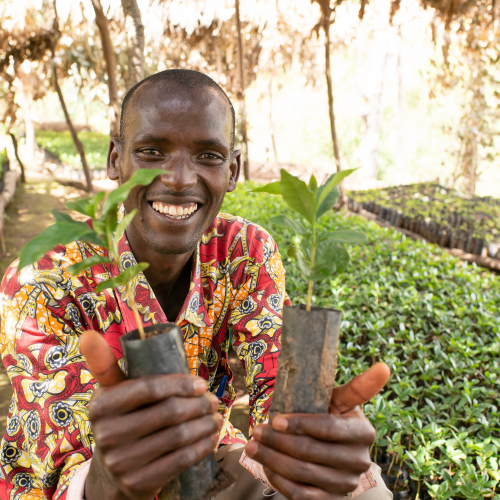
(147, 431)
(320, 457)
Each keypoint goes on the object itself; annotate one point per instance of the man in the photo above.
(210, 272)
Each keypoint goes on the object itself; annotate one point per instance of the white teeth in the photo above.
(175, 211)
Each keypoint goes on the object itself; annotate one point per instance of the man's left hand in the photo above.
(320, 457)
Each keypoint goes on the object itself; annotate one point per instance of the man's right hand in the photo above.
(147, 431)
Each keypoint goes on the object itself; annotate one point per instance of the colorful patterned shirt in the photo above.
(237, 283)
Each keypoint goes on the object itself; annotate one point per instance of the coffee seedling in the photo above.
(320, 254)
(105, 231)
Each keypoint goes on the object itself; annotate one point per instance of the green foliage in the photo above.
(434, 320)
(123, 278)
(3, 157)
(61, 145)
(318, 254)
(434, 203)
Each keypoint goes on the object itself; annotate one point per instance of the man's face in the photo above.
(185, 132)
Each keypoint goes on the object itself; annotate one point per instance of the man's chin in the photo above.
(178, 249)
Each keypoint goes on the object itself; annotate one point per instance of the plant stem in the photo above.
(309, 295)
(418, 491)
(392, 463)
(136, 312)
(311, 282)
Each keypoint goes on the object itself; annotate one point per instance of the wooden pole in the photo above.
(16, 153)
(78, 144)
(109, 58)
(241, 97)
(329, 85)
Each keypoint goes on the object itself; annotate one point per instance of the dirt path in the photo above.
(27, 215)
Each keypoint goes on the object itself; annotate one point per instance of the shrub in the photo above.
(61, 145)
(434, 320)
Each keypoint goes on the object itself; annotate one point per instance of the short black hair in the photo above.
(186, 78)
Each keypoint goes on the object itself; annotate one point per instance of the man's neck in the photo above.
(168, 275)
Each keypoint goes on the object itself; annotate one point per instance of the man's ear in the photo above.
(234, 168)
(114, 158)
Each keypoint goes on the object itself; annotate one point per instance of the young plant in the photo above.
(320, 254)
(106, 232)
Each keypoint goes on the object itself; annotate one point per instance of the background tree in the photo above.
(109, 56)
(135, 37)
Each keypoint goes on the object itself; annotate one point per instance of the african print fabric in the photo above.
(237, 283)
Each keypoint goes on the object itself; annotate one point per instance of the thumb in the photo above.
(100, 359)
(360, 389)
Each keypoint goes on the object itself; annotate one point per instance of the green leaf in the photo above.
(284, 221)
(331, 257)
(87, 206)
(298, 196)
(79, 205)
(292, 252)
(94, 204)
(141, 177)
(60, 233)
(110, 223)
(304, 267)
(348, 237)
(333, 181)
(122, 279)
(60, 216)
(313, 183)
(271, 188)
(87, 263)
(120, 228)
(328, 203)
(305, 245)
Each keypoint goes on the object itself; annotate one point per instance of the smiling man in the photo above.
(77, 427)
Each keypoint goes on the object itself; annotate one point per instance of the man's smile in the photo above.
(175, 212)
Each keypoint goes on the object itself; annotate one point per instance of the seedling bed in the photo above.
(438, 214)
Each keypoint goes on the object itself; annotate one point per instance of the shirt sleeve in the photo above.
(48, 436)
(256, 318)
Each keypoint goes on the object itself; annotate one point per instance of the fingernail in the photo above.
(257, 433)
(280, 424)
(251, 448)
(200, 386)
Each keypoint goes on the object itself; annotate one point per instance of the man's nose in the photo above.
(181, 177)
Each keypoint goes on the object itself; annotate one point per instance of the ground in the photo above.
(26, 216)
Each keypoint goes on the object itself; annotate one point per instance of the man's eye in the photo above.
(150, 151)
(210, 156)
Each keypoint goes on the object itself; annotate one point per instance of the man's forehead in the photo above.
(172, 97)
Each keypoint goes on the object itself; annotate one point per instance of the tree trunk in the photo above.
(16, 153)
(26, 102)
(109, 58)
(135, 37)
(335, 142)
(241, 96)
(78, 144)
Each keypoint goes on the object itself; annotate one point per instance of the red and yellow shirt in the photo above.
(237, 283)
